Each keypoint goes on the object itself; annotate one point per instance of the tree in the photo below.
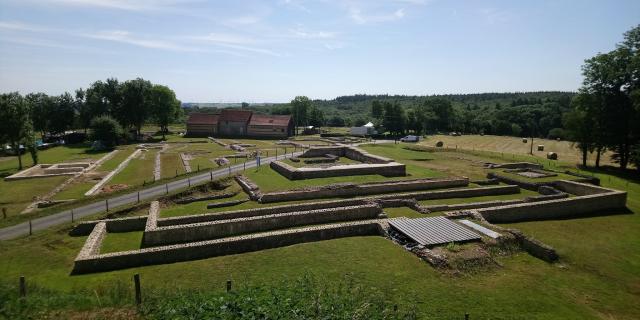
(579, 124)
(612, 78)
(40, 105)
(443, 111)
(165, 108)
(316, 117)
(299, 107)
(336, 121)
(377, 111)
(135, 107)
(61, 114)
(244, 105)
(106, 130)
(16, 128)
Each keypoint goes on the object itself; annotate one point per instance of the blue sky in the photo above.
(271, 51)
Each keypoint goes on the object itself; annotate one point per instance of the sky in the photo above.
(271, 51)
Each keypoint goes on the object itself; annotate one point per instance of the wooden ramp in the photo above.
(433, 230)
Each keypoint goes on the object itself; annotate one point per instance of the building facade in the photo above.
(240, 123)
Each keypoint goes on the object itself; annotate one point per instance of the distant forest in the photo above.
(518, 114)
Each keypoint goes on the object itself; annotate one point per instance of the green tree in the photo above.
(300, 105)
(135, 108)
(40, 105)
(165, 108)
(579, 124)
(316, 117)
(612, 78)
(16, 128)
(106, 130)
(377, 111)
(62, 114)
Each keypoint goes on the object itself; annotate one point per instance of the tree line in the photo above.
(109, 108)
(605, 114)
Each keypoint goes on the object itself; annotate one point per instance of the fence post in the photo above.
(198, 167)
(23, 287)
(228, 285)
(176, 172)
(244, 165)
(136, 281)
(71, 215)
(30, 228)
(4, 213)
(166, 187)
(189, 181)
(229, 169)
(138, 196)
(211, 174)
(466, 316)
(106, 203)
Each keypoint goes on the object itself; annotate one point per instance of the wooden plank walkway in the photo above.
(433, 230)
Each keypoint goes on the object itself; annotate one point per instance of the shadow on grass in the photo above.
(628, 174)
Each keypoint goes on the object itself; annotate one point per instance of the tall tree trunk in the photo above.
(584, 157)
(598, 153)
(624, 155)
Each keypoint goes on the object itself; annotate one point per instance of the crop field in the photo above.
(596, 277)
(512, 145)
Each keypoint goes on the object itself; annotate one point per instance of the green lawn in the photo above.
(597, 277)
(114, 242)
(138, 171)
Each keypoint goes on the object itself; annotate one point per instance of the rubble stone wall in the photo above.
(233, 227)
(363, 189)
(220, 247)
(555, 209)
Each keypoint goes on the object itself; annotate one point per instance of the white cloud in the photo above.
(297, 4)
(358, 17)
(493, 15)
(305, 34)
(232, 41)
(128, 5)
(128, 38)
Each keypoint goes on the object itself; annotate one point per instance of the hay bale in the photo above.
(439, 144)
(552, 156)
(524, 140)
(540, 147)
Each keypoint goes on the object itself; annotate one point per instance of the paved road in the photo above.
(42, 223)
(129, 198)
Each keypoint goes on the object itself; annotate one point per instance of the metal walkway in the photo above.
(433, 230)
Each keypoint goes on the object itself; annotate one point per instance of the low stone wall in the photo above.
(258, 212)
(362, 189)
(534, 247)
(225, 228)
(391, 169)
(219, 247)
(352, 153)
(533, 186)
(518, 165)
(556, 209)
(113, 225)
(471, 205)
(249, 187)
(454, 193)
(93, 243)
(580, 188)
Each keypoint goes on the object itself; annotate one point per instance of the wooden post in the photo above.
(244, 165)
(23, 287)
(189, 181)
(166, 187)
(144, 182)
(106, 203)
(228, 285)
(4, 213)
(176, 172)
(136, 281)
(138, 196)
(198, 167)
(71, 215)
(211, 174)
(229, 169)
(466, 316)
(30, 228)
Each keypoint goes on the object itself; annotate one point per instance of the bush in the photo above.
(556, 133)
(106, 130)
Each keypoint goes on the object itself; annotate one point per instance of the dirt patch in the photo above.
(114, 187)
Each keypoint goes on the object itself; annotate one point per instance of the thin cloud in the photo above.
(128, 38)
(305, 34)
(137, 5)
(360, 18)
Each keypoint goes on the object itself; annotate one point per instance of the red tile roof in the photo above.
(235, 115)
(203, 118)
(269, 120)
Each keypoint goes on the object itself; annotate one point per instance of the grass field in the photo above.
(513, 145)
(598, 276)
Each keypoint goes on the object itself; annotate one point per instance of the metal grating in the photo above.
(433, 230)
(486, 231)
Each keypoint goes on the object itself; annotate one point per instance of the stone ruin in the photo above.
(200, 236)
(51, 170)
(369, 164)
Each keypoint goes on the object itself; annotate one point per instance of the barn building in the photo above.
(239, 123)
(276, 126)
(202, 124)
(234, 122)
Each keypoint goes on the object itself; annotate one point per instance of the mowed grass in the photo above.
(115, 242)
(139, 170)
(512, 145)
(598, 275)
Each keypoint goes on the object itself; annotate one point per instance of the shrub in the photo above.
(106, 130)
(556, 133)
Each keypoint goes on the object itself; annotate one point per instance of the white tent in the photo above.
(368, 125)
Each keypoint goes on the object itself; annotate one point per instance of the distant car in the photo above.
(410, 138)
